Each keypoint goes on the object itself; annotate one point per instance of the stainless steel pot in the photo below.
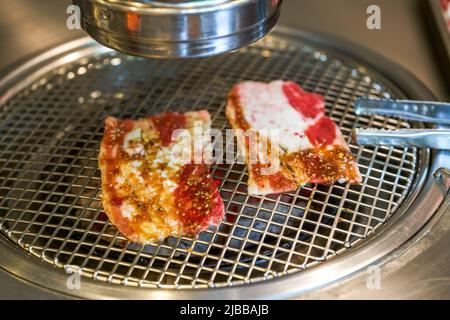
(178, 29)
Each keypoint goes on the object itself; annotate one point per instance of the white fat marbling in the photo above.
(266, 107)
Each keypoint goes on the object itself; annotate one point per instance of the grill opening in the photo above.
(50, 134)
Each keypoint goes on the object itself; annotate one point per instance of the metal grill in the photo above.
(50, 182)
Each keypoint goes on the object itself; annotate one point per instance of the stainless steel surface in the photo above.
(178, 29)
(50, 193)
(424, 111)
(418, 138)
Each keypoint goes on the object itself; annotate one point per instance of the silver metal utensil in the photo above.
(420, 138)
(433, 112)
(177, 28)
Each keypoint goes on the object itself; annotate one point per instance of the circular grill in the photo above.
(50, 132)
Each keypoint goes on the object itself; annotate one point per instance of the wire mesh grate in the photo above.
(50, 182)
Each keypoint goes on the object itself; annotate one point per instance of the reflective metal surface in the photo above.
(178, 29)
(424, 111)
(283, 245)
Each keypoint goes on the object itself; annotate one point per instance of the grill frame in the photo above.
(280, 283)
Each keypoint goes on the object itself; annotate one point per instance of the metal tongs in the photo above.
(431, 112)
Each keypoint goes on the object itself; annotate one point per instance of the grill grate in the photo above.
(50, 183)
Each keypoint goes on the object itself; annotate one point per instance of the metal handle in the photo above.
(420, 138)
(433, 112)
